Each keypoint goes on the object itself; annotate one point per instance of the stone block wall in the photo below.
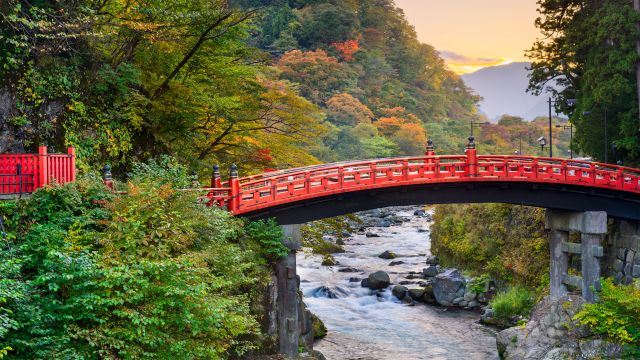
(623, 251)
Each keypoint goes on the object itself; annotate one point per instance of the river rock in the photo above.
(388, 255)
(396, 263)
(417, 294)
(383, 223)
(432, 260)
(428, 295)
(399, 291)
(473, 304)
(328, 260)
(469, 296)
(448, 286)
(348, 270)
(371, 235)
(365, 282)
(430, 271)
(379, 280)
(419, 212)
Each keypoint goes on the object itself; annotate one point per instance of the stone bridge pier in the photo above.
(592, 227)
(293, 323)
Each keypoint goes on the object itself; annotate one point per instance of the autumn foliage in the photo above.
(347, 49)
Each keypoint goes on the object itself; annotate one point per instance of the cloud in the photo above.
(461, 64)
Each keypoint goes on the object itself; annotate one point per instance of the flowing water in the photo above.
(366, 325)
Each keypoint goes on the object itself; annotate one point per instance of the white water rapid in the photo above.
(365, 325)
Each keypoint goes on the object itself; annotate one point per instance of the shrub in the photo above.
(270, 238)
(153, 274)
(507, 242)
(616, 316)
(516, 301)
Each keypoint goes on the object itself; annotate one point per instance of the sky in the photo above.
(472, 34)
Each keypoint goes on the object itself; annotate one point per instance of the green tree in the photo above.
(588, 49)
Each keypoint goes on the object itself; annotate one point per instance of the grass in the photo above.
(518, 300)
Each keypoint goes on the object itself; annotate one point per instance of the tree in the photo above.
(319, 75)
(588, 51)
(327, 23)
(344, 109)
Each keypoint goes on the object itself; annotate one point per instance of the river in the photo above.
(365, 325)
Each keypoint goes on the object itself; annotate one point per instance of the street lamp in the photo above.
(570, 102)
(473, 125)
(570, 128)
(543, 142)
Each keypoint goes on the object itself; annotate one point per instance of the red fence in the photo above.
(24, 173)
(244, 195)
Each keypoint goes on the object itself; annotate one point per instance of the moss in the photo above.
(328, 260)
(319, 329)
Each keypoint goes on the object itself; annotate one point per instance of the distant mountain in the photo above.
(503, 88)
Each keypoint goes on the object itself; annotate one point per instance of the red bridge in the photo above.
(304, 194)
(24, 173)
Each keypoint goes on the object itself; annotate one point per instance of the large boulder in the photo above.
(447, 286)
(552, 334)
(379, 280)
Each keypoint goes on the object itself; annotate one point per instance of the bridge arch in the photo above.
(310, 193)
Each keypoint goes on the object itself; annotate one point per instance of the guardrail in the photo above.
(25, 173)
(243, 195)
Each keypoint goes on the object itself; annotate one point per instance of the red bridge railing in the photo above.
(243, 195)
(25, 173)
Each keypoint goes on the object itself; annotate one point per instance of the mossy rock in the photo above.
(328, 260)
(319, 329)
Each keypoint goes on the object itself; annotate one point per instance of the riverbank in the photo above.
(365, 324)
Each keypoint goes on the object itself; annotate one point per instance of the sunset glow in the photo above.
(468, 68)
(486, 33)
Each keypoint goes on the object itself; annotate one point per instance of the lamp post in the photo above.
(543, 142)
(570, 128)
(570, 102)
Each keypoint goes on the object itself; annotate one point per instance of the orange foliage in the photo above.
(347, 110)
(389, 126)
(347, 49)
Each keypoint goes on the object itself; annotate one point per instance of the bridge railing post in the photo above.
(472, 158)
(107, 179)
(216, 180)
(234, 185)
(43, 175)
(430, 153)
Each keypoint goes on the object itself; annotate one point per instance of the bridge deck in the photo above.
(271, 190)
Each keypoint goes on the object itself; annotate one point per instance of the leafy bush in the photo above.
(507, 242)
(150, 275)
(616, 316)
(517, 300)
(270, 238)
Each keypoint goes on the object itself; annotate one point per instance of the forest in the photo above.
(158, 89)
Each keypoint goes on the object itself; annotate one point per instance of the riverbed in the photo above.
(368, 325)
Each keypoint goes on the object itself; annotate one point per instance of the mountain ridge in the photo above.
(503, 89)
